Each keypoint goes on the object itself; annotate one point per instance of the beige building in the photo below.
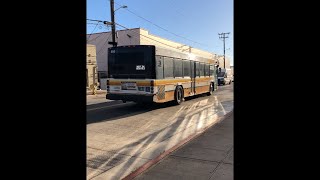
(221, 62)
(92, 76)
(137, 36)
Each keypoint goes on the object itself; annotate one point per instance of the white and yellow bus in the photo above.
(145, 73)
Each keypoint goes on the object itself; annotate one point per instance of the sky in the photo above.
(195, 23)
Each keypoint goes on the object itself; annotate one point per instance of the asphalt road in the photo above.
(122, 136)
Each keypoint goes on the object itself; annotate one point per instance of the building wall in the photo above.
(100, 40)
(221, 59)
(145, 40)
(91, 65)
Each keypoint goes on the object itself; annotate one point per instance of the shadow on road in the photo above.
(120, 110)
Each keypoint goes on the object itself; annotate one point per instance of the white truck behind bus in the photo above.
(224, 76)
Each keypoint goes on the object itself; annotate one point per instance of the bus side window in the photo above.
(197, 69)
(177, 68)
(168, 67)
(206, 70)
(186, 68)
(159, 67)
(201, 69)
(211, 70)
(192, 63)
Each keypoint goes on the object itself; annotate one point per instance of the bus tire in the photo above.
(178, 96)
(210, 89)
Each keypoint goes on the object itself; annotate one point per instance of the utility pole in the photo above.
(113, 25)
(223, 36)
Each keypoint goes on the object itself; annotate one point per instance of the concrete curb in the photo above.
(152, 162)
(98, 92)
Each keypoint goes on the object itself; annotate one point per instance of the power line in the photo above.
(93, 23)
(92, 31)
(162, 27)
(97, 36)
(147, 36)
(106, 22)
(104, 44)
(94, 20)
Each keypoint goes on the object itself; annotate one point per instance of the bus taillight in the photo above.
(108, 87)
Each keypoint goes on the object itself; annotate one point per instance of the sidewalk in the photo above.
(100, 97)
(208, 156)
(98, 92)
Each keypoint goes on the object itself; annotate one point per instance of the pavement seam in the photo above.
(221, 162)
(201, 159)
(182, 157)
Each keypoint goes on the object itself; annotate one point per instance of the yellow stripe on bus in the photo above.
(159, 82)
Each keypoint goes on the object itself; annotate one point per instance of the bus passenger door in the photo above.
(193, 77)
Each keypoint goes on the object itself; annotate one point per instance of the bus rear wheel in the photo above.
(178, 97)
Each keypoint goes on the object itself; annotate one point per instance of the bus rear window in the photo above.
(131, 62)
(130, 58)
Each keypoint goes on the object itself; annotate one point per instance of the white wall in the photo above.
(221, 62)
(91, 63)
(100, 40)
(145, 40)
(103, 83)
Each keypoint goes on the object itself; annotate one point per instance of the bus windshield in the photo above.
(131, 62)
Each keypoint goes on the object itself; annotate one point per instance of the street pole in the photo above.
(223, 36)
(224, 54)
(113, 24)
